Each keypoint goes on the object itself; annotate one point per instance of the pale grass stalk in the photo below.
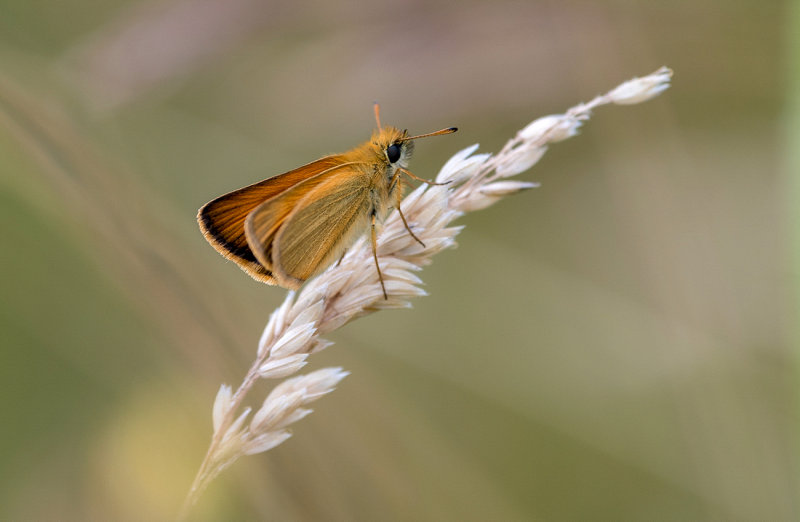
(351, 289)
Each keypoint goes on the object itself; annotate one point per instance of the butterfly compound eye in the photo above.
(393, 153)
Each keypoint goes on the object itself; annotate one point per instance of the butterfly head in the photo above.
(393, 146)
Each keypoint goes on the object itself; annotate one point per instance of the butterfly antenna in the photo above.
(377, 109)
(449, 130)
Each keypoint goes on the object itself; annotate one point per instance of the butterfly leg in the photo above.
(375, 257)
(409, 228)
(393, 184)
(412, 176)
(396, 181)
(339, 262)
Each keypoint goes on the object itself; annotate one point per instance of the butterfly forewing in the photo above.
(222, 220)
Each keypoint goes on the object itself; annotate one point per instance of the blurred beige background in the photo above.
(615, 345)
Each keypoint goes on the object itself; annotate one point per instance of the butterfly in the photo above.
(290, 227)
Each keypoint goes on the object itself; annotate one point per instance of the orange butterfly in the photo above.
(288, 228)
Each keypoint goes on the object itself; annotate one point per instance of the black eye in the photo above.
(393, 153)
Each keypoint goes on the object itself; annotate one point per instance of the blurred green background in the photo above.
(615, 345)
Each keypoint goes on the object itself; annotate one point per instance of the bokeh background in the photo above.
(615, 345)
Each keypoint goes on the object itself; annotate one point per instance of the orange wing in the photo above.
(222, 220)
(300, 232)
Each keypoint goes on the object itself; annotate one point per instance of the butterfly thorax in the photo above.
(387, 151)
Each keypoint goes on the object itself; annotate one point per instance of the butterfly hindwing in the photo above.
(317, 218)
